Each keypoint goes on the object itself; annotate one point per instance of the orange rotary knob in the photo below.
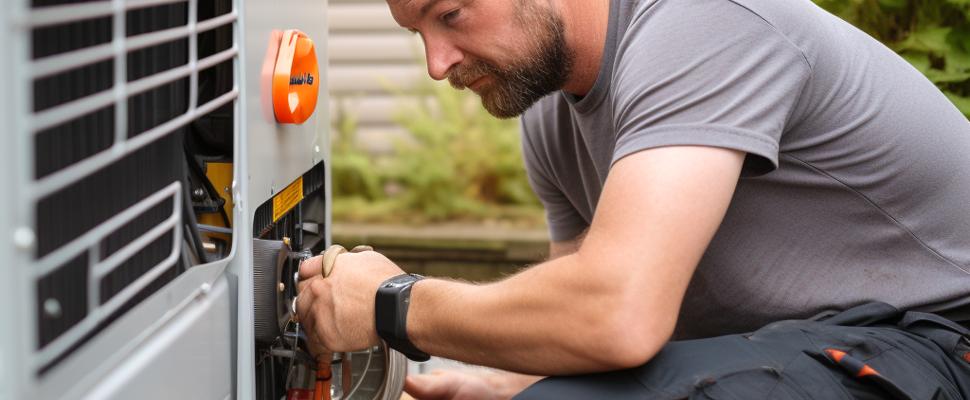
(296, 79)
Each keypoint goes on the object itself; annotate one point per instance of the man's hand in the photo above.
(338, 311)
(457, 385)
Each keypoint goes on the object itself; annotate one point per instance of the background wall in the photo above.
(371, 58)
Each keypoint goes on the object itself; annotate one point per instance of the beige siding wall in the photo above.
(371, 57)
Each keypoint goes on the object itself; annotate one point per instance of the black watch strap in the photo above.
(391, 315)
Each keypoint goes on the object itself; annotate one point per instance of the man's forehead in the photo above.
(416, 5)
(407, 12)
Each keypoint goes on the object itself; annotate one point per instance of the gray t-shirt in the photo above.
(857, 180)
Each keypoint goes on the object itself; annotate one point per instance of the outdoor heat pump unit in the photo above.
(165, 168)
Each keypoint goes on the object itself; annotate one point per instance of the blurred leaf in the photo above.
(928, 39)
(965, 4)
(937, 76)
(893, 4)
(921, 61)
(959, 38)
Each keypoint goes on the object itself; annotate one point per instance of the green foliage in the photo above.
(933, 35)
(351, 169)
(459, 163)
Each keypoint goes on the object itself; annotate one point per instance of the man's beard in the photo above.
(516, 87)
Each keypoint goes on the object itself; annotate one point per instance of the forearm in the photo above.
(552, 319)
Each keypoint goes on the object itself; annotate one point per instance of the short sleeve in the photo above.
(707, 73)
(564, 221)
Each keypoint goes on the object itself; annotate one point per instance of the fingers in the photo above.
(431, 387)
(306, 314)
(302, 285)
(324, 263)
(311, 267)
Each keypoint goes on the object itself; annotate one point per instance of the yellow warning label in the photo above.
(287, 199)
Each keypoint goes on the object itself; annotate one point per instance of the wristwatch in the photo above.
(391, 314)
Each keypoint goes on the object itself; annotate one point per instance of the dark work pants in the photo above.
(868, 352)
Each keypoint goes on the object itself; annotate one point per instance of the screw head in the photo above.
(52, 308)
(24, 238)
(281, 287)
(198, 194)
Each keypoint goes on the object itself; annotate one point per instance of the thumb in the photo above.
(429, 387)
(311, 267)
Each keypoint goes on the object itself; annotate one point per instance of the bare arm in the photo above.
(611, 304)
(492, 385)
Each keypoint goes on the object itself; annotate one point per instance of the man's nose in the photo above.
(442, 56)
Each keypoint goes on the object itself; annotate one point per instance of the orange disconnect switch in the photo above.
(296, 79)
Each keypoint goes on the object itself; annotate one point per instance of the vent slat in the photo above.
(62, 299)
(73, 141)
(88, 256)
(135, 267)
(70, 212)
(71, 85)
(62, 38)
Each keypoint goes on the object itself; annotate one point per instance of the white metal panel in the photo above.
(150, 321)
(186, 359)
(273, 155)
(281, 153)
(16, 236)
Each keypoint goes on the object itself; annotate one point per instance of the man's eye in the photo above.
(450, 16)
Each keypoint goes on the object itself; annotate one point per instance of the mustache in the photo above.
(462, 76)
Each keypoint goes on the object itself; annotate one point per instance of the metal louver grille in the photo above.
(114, 86)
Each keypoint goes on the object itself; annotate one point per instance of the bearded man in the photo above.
(708, 168)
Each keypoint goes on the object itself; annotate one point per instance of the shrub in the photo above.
(459, 163)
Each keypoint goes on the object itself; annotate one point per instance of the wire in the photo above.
(295, 354)
(289, 369)
(363, 374)
(214, 229)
